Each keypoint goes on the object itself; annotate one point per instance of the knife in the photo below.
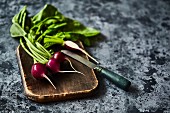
(118, 80)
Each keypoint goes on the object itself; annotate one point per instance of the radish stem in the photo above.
(33, 47)
(22, 44)
(42, 48)
(41, 58)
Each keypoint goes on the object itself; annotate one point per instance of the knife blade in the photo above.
(116, 79)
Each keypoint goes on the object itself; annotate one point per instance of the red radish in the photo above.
(59, 56)
(73, 46)
(39, 71)
(54, 63)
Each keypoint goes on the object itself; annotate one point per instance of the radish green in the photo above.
(38, 33)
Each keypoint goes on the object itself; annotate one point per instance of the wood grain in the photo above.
(68, 85)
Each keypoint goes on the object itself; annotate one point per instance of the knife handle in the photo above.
(118, 80)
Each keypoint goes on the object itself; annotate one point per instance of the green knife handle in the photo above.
(118, 80)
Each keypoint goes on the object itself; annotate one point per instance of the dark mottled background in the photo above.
(136, 38)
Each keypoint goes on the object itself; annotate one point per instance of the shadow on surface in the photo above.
(133, 89)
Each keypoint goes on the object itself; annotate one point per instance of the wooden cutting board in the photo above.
(68, 85)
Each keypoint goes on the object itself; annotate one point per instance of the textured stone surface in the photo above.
(136, 45)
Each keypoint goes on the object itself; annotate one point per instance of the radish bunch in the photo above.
(54, 63)
(39, 70)
(44, 59)
(37, 33)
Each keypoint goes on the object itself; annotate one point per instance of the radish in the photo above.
(59, 56)
(39, 71)
(73, 46)
(54, 63)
